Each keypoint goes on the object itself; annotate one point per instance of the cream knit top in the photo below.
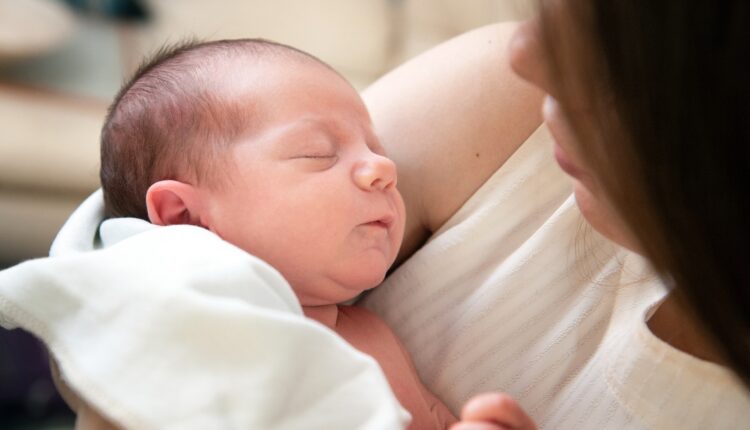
(517, 294)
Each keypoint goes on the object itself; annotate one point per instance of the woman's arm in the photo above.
(449, 118)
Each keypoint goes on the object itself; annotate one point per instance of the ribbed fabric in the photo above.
(517, 294)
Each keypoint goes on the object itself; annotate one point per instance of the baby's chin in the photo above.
(340, 291)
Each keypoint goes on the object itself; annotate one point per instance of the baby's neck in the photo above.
(324, 314)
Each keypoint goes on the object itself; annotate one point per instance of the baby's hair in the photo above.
(168, 121)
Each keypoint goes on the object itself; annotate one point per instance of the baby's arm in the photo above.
(87, 418)
(488, 411)
(441, 412)
(493, 411)
(449, 118)
(438, 410)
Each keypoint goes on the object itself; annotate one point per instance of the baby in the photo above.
(273, 151)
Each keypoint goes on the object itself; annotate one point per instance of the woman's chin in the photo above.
(602, 217)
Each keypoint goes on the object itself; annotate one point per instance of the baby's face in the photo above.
(311, 191)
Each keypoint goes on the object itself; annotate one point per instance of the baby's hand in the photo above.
(493, 411)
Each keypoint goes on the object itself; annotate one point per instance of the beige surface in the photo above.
(30, 27)
(353, 36)
(49, 158)
(426, 23)
(49, 142)
(29, 222)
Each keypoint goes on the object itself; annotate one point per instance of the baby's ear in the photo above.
(172, 202)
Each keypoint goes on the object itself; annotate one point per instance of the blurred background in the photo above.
(61, 63)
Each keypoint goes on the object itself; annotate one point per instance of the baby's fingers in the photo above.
(463, 425)
(497, 408)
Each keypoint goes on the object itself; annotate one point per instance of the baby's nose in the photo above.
(375, 172)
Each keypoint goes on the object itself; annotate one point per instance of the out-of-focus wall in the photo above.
(426, 23)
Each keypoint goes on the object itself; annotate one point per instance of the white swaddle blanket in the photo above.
(173, 328)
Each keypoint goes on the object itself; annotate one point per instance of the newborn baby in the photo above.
(273, 151)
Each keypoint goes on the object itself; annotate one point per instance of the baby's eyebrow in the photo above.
(315, 123)
(296, 127)
(304, 134)
(333, 134)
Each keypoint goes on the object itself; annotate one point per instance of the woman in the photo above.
(647, 104)
(659, 150)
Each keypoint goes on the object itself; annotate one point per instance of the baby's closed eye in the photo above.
(315, 156)
(315, 161)
(314, 149)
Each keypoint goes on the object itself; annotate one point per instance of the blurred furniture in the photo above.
(52, 102)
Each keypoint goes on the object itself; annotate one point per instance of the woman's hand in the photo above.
(493, 411)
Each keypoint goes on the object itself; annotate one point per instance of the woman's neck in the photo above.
(673, 324)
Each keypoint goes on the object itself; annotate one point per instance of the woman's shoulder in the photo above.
(449, 118)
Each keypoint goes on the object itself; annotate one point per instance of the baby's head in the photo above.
(266, 146)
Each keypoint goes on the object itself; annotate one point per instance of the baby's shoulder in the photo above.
(358, 325)
(356, 316)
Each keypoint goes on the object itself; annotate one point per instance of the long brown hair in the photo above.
(666, 85)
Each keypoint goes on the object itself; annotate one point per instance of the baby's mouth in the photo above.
(383, 222)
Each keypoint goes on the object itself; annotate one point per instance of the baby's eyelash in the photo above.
(314, 157)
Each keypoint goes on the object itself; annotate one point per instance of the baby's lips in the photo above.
(384, 221)
(387, 220)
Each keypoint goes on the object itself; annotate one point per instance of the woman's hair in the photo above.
(173, 118)
(665, 85)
